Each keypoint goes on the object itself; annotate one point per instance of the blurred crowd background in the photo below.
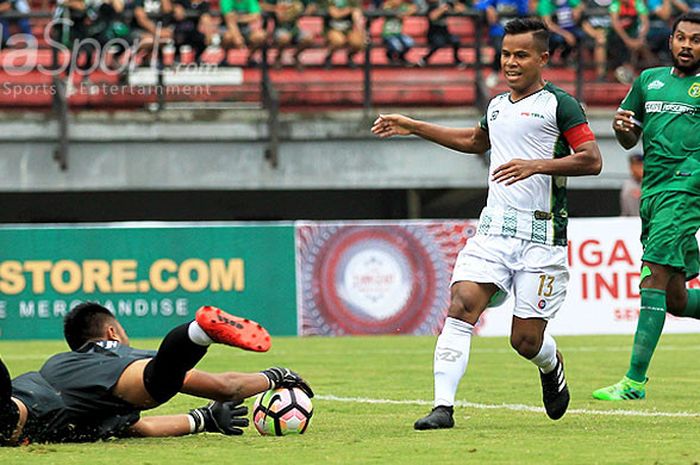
(618, 37)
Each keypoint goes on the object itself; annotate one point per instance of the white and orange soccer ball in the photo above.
(282, 411)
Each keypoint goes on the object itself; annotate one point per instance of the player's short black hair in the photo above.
(690, 16)
(84, 322)
(535, 25)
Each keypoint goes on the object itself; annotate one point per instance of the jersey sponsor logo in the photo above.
(656, 84)
(531, 114)
(694, 90)
(669, 107)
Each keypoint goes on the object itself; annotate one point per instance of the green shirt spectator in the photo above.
(239, 6)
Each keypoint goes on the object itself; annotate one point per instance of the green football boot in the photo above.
(626, 389)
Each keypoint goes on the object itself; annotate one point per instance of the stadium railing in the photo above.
(269, 91)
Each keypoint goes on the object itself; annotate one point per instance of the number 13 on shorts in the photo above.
(546, 287)
(540, 295)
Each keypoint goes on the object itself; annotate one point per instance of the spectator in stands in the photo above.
(562, 18)
(396, 43)
(71, 21)
(286, 14)
(661, 13)
(627, 41)
(632, 187)
(597, 28)
(105, 23)
(19, 6)
(343, 27)
(243, 27)
(105, 20)
(73, 31)
(498, 13)
(193, 25)
(689, 5)
(438, 33)
(151, 24)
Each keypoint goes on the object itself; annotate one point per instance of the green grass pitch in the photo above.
(371, 389)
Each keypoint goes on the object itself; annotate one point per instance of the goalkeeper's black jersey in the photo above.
(85, 378)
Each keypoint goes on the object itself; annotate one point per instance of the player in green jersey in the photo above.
(663, 107)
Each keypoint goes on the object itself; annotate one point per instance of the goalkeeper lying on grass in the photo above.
(99, 388)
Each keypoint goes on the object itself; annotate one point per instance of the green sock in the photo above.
(692, 308)
(652, 316)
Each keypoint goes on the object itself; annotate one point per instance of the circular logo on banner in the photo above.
(374, 280)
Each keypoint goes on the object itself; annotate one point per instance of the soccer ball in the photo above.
(282, 411)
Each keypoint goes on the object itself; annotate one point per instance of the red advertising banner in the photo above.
(376, 278)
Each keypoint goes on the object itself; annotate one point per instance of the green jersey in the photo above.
(243, 7)
(393, 25)
(629, 12)
(667, 108)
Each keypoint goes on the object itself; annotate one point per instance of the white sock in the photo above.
(197, 335)
(451, 357)
(546, 358)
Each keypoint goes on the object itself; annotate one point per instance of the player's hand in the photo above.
(392, 125)
(222, 417)
(514, 171)
(284, 377)
(623, 121)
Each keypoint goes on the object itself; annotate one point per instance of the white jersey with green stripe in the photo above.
(532, 128)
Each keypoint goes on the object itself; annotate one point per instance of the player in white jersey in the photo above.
(538, 134)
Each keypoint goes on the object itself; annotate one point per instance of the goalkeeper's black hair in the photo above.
(86, 321)
(690, 17)
(535, 25)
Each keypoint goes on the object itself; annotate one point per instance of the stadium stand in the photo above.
(381, 84)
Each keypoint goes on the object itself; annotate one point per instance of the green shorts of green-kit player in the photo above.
(670, 221)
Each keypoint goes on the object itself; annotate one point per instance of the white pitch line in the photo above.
(514, 407)
(474, 350)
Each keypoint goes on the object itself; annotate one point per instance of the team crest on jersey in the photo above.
(694, 90)
(494, 115)
(656, 84)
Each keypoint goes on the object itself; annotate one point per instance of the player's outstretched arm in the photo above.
(467, 140)
(224, 386)
(238, 386)
(161, 426)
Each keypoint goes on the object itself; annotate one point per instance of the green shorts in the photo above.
(670, 221)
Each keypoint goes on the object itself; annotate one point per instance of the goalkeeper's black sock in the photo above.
(5, 383)
(177, 354)
(9, 413)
